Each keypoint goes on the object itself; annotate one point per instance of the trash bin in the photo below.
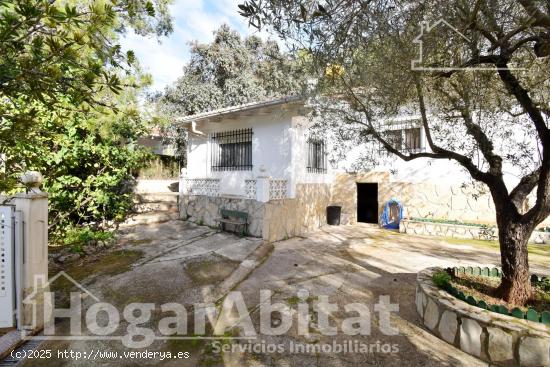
(333, 215)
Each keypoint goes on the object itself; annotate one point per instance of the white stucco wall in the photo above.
(271, 148)
(300, 135)
(438, 171)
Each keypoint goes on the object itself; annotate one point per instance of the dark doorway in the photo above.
(367, 202)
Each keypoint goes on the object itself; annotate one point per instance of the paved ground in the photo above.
(188, 264)
(172, 262)
(358, 264)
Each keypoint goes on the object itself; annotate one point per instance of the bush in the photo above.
(441, 278)
(544, 285)
(76, 238)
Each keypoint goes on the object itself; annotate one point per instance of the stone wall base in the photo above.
(204, 210)
(273, 221)
(461, 231)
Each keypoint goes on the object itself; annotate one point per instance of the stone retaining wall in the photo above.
(425, 199)
(293, 217)
(499, 339)
(460, 231)
(273, 221)
(205, 210)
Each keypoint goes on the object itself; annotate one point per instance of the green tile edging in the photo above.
(531, 314)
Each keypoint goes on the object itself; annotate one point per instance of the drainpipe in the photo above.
(194, 129)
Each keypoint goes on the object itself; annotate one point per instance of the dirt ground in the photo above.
(184, 263)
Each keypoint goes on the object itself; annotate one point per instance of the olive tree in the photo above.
(475, 71)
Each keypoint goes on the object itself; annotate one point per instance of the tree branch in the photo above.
(524, 188)
(540, 19)
(438, 152)
(514, 87)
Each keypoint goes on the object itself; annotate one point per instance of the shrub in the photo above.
(77, 237)
(441, 278)
(544, 285)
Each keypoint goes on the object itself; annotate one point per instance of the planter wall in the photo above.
(460, 231)
(496, 338)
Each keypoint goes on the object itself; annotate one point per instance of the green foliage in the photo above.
(69, 105)
(227, 72)
(544, 284)
(88, 173)
(58, 58)
(232, 71)
(90, 177)
(50, 49)
(441, 278)
(88, 158)
(77, 237)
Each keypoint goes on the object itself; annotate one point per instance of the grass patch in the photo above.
(441, 278)
(543, 250)
(210, 270)
(452, 221)
(78, 237)
(294, 300)
(108, 264)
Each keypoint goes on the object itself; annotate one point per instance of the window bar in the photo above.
(232, 150)
(240, 162)
(309, 156)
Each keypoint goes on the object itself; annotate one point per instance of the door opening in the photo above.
(367, 202)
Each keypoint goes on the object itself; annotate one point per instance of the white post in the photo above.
(183, 182)
(183, 190)
(33, 206)
(262, 188)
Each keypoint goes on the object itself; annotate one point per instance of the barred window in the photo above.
(316, 156)
(412, 139)
(395, 138)
(404, 140)
(232, 150)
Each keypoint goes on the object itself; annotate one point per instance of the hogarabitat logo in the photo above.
(132, 325)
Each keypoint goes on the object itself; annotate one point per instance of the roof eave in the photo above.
(236, 109)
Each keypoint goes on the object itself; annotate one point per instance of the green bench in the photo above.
(234, 217)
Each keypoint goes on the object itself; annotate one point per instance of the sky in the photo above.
(193, 20)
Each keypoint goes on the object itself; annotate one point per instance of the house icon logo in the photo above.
(43, 287)
(458, 42)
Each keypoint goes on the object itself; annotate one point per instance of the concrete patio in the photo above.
(185, 263)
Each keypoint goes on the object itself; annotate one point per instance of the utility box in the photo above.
(7, 266)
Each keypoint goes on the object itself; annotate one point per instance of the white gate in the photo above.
(7, 266)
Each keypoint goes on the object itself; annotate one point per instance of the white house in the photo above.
(259, 158)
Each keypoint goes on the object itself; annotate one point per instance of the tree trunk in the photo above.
(516, 283)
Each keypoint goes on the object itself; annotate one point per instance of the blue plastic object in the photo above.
(386, 220)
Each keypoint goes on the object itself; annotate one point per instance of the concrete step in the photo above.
(156, 206)
(155, 197)
(150, 217)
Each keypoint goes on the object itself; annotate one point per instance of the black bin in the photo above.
(333, 215)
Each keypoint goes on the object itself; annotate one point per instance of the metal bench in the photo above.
(234, 217)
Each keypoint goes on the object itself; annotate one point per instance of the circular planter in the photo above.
(493, 337)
